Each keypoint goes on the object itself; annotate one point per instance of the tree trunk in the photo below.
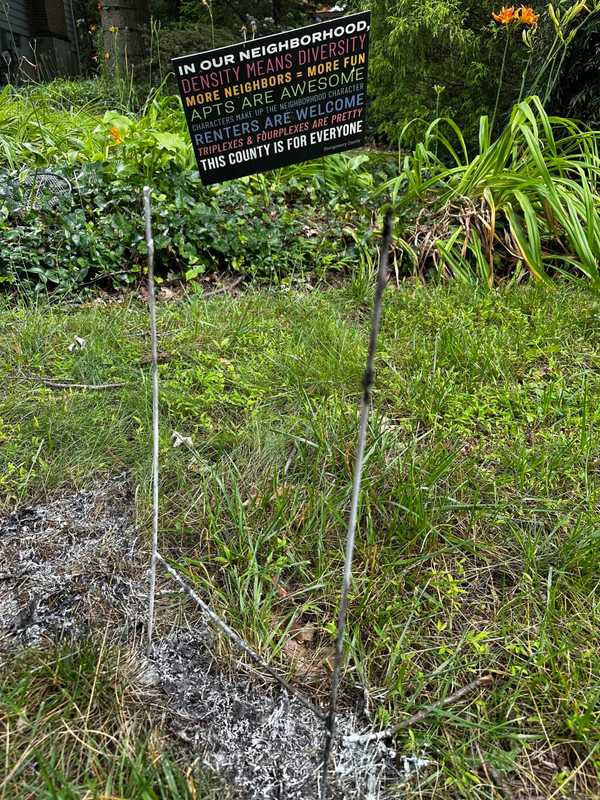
(123, 23)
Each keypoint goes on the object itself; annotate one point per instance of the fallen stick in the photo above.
(485, 680)
(54, 384)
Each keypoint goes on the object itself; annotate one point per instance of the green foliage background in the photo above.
(578, 92)
(418, 44)
(488, 184)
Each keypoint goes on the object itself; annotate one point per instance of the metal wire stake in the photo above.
(365, 404)
(155, 419)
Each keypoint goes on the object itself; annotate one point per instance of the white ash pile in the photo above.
(68, 567)
(73, 567)
(258, 737)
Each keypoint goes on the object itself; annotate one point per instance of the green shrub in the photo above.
(416, 46)
(298, 220)
(47, 125)
(526, 201)
(450, 58)
(170, 43)
(577, 91)
(251, 227)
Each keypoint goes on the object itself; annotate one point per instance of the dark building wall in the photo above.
(57, 17)
(15, 30)
(40, 36)
(15, 16)
(48, 17)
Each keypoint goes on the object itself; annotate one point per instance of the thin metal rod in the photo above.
(365, 405)
(155, 418)
(236, 639)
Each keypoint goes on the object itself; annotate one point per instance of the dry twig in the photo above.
(484, 680)
(55, 384)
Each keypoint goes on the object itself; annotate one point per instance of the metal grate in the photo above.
(39, 190)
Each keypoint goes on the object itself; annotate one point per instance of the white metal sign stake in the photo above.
(330, 717)
(365, 406)
(155, 428)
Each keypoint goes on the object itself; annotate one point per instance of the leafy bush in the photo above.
(267, 226)
(170, 43)
(578, 88)
(251, 227)
(453, 58)
(45, 126)
(527, 201)
(417, 46)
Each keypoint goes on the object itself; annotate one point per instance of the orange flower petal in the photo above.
(527, 16)
(506, 15)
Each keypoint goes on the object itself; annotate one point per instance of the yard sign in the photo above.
(277, 100)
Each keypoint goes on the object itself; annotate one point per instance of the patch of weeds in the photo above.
(251, 227)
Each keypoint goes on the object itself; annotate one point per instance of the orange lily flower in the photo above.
(116, 135)
(506, 15)
(527, 16)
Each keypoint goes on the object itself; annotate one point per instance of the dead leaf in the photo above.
(253, 498)
(309, 662)
(303, 633)
(280, 491)
(166, 293)
(280, 590)
(162, 358)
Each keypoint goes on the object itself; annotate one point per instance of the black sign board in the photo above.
(277, 100)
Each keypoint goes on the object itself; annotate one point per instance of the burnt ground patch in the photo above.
(75, 566)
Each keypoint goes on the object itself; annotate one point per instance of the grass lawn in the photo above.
(479, 532)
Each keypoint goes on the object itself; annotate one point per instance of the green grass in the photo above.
(71, 728)
(479, 534)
